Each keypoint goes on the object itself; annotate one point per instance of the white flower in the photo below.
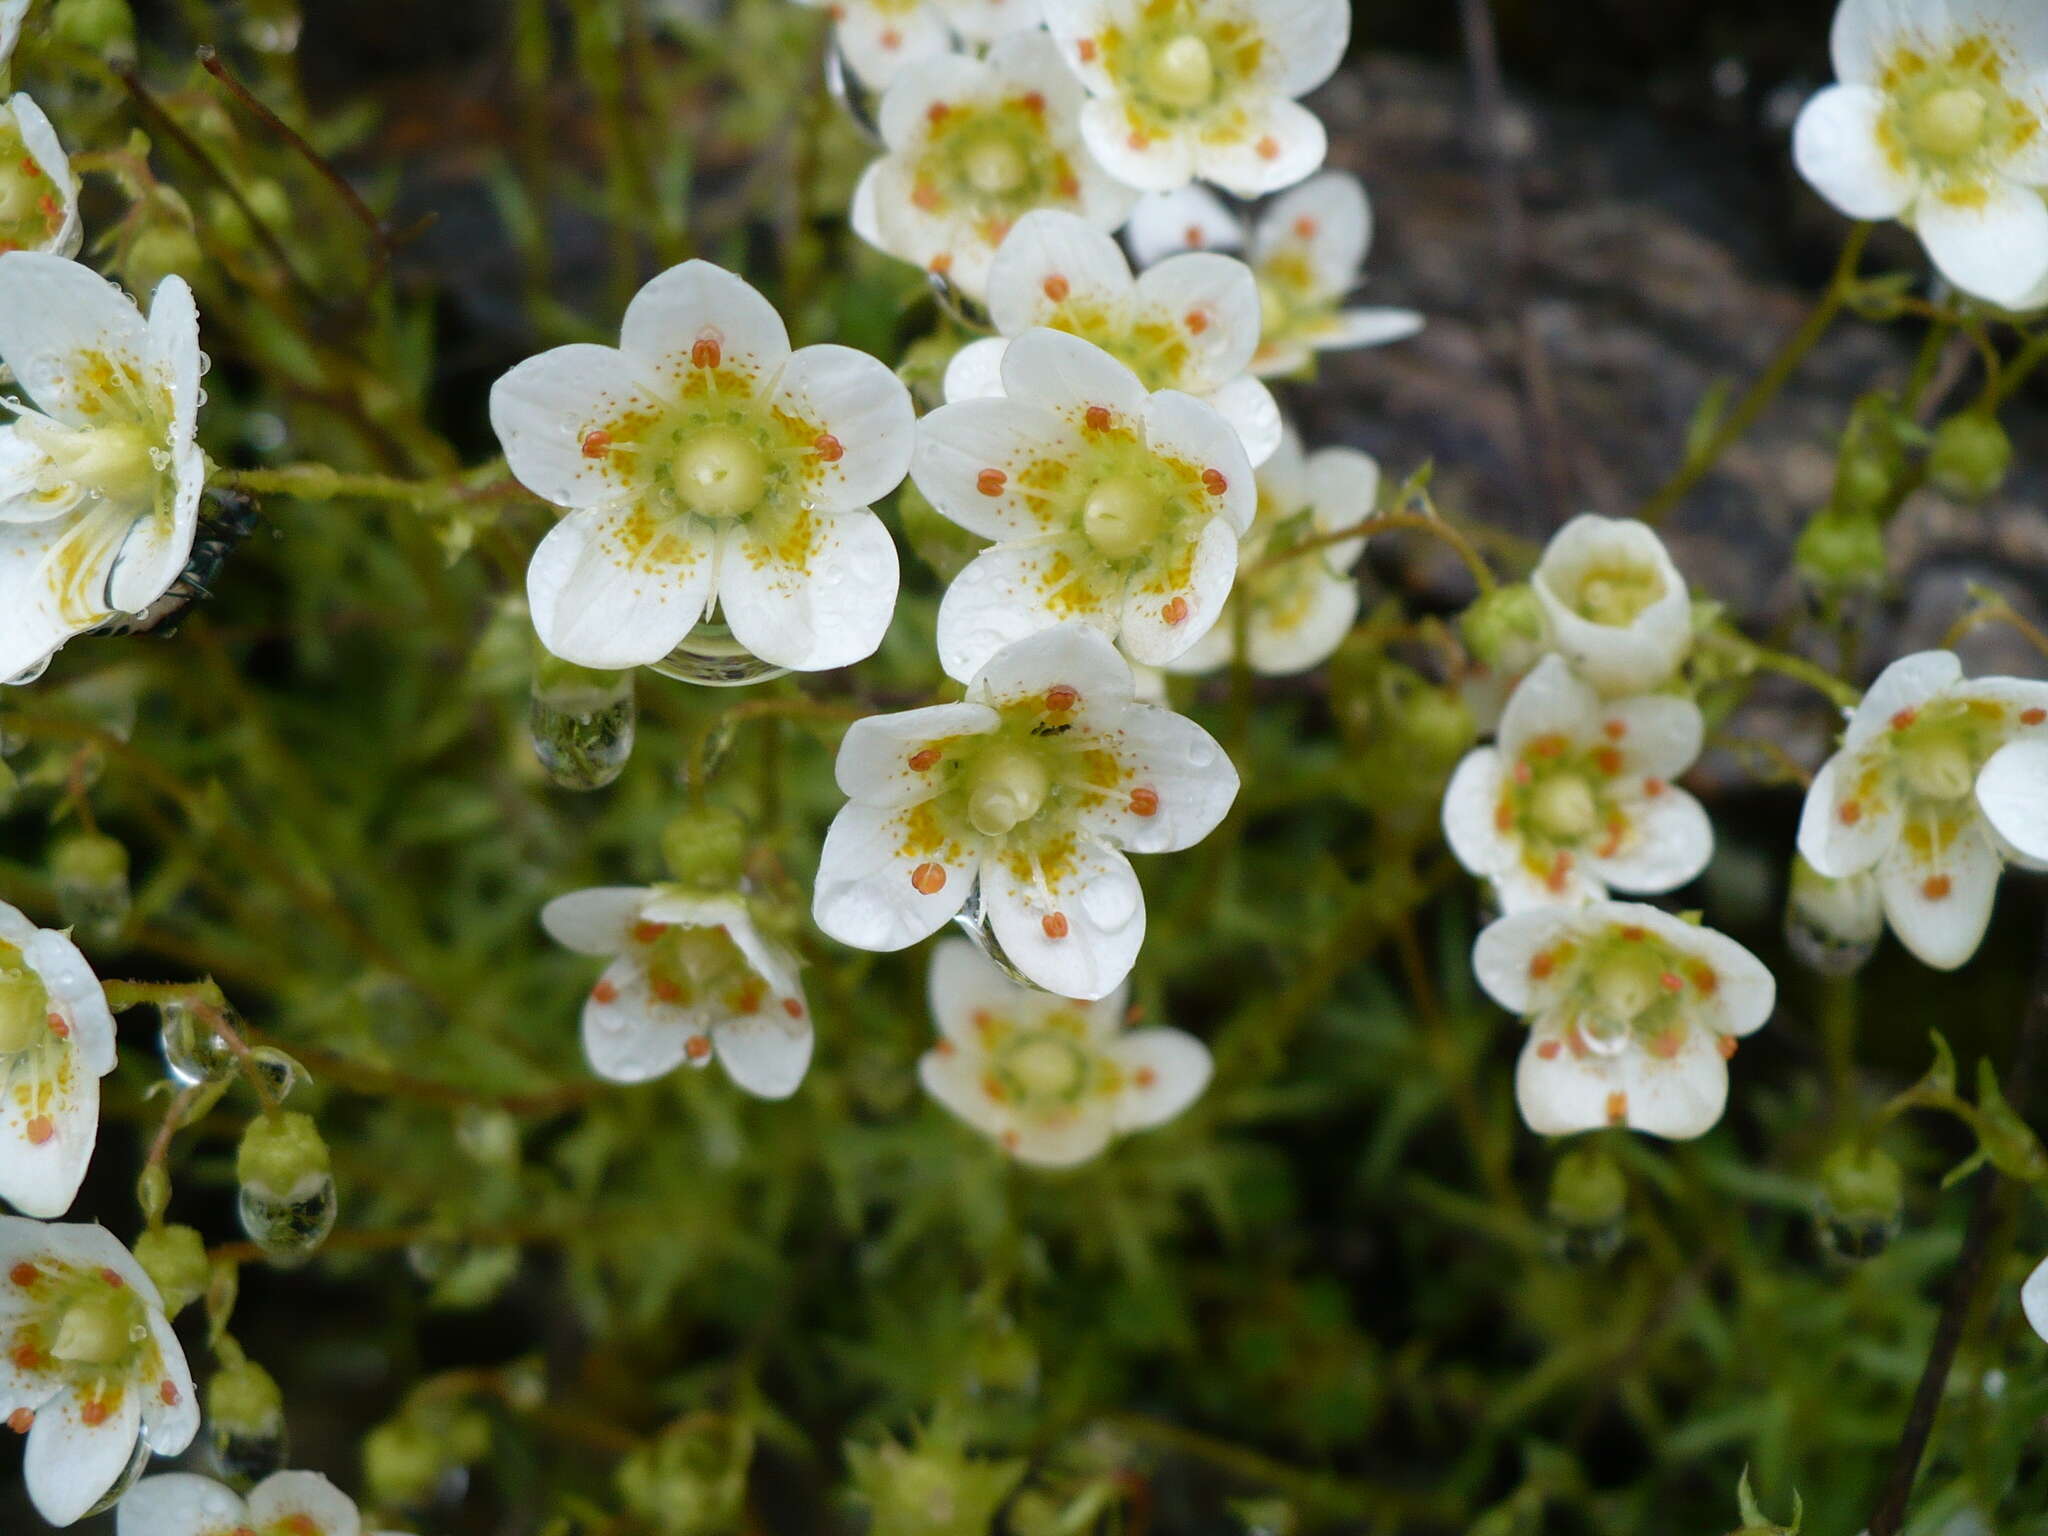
(1032, 786)
(88, 1363)
(100, 480)
(1577, 795)
(691, 977)
(1632, 1014)
(1301, 605)
(1202, 88)
(882, 39)
(1616, 606)
(971, 146)
(1308, 248)
(11, 12)
(1938, 781)
(2034, 1298)
(1190, 323)
(283, 1504)
(56, 1043)
(1107, 504)
(38, 195)
(705, 463)
(1051, 1080)
(1940, 120)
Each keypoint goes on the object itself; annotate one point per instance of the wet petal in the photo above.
(1991, 242)
(865, 410)
(1939, 883)
(1187, 219)
(697, 302)
(179, 1504)
(1839, 147)
(619, 586)
(78, 345)
(1844, 826)
(898, 760)
(70, 1463)
(1173, 782)
(545, 410)
(767, 1053)
(2012, 791)
(1010, 592)
(888, 877)
(1071, 917)
(630, 1037)
(1165, 1070)
(1054, 263)
(283, 1496)
(1282, 143)
(597, 921)
(819, 594)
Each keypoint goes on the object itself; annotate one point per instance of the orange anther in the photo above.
(1614, 730)
(1607, 760)
(666, 990)
(1144, 1077)
(1054, 924)
(1268, 147)
(21, 1421)
(1850, 813)
(58, 1026)
(24, 1275)
(943, 1046)
(1057, 288)
(925, 196)
(1097, 418)
(925, 758)
(1523, 772)
(2033, 716)
(1560, 872)
(1549, 1050)
(1195, 236)
(300, 1523)
(1671, 981)
(1541, 965)
(1034, 102)
(1552, 745)
(1667, 1044)
(941, 263)
(1704, 979)
(1010, 1140)
(1086, 49)
(605, 992)
(1144, 802)
(1061, 697)
(828, 447)
(1176, 611)
(707, 352)
(1617, 1109)
(792, 1007)
(1504, 817)
(1305, 228)
(1904, 718)
(892, 39)
(697, 1047)
(647, 932)
(990, 482)
(597, 444)
(928, 878)
(1653, 787)
(1069, 186)
(937, 111)
(170, 1394)
(1726, 1046)
(1213, 482)
(94, 1414)
(26, 1357)
(1633, 934)
(1936, 887)
(40, 1130)
(1196, 320)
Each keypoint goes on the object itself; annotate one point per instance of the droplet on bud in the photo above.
(90, 870)
(279, 1072)
(710, 657)
(290, 1225)
(1587, 1208)
(1832, 926)
(196, 1053)
(582, 723)
(245, 1424)
(1862, 1197)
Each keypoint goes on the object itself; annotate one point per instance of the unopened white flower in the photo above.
(1190, 322)
(1300, 605)
(1938, 782)
(691, 977)
(283, 1504)
(56, 1043)
(971, 146)
(1576, 796)
(1308, 248)
(703, 462)
(38, 194)
(1050, 1080)
(1032, 787)
(1940, 120)
(1187, 89)
(89, 1365)
(1616, 606)
(1107, 504)
(1632, 1015)
(100, 470)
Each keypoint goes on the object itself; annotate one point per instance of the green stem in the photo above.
(317, 482)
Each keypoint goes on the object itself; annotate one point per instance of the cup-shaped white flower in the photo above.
(1300, 601)
(56, 1043)
(38, 194)
(100, 471)
(1183, 89)
(283, 1504)
(1050, 1080)
(691, 977)
(703, 462)
(89, 1365)
(1940, 119)
(1107, 504)
(971, 146)
(1190, 323)
(1576, 795)
(1632, 1015)
(1939, 781)
(1616, 606)
(1033, 786)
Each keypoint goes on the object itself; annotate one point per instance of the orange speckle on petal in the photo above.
(697, 1047)
(1097, 418)
(1054, 924)
(597, 444)
(707, 353)
(926, 196)
(1668, 1044)
(1268, 147)
(892, 39)
(1034, 103)
(941, 263)
(943, 1046)
(1560, 872)
(1607, 760)
(990, 482)
(1633, 934)
(1617, 1108)
(300, 1523)
(1504, 817)
(1936, 887)
(1057, 288)
(1010, 1141)
(1550, 1050)
(605, 992)
(1144, 802)
(1705, 980)
(1213, 482)
(1305, 228)
(829, 448)
(1175, 612)
(925, 758)
(928, 878)
(1195, 236)
(1061, 697)
(666, 990)
(26, 1357)
(40, 1130)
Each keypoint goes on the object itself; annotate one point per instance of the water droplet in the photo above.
(1201, 751)
(244, 1459)
(90, 872)
(195, 1052)
(972, 920)
(861, 103)
(130, 1475)
(290, 1226)
(279, 1072)
(29, 675)
(583, 727)
(710, 657)
(1820, 948)
(1110, 902)
(205, 364)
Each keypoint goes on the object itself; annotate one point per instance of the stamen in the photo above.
(605, 992)
(1936, 887)
(1097, 417)
(1176, 611)
(1057, 288)
(1726, 1046)
(40, 1130)
(928, 878)
(1550, 1050)
(792, 1007)
(1850, 813)
(707, 352)
(1213, 482)
(1617, 1109)
(2033, 716)
(697, 1047)
(829, 448)
(1144, 802)
(925, 758)
(1061, 697)
(1054, 924)
(990, 482)
(21, 1421)
(597, 444)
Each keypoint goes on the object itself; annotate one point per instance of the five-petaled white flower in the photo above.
(56, 1043)
(1576, 796)
(1049, 1079)
(1300, 602)
(1107, 504)
(971, 146)
(1191, 322)
(1186, 89)
(101, 474)
(1938, 781)
(691, 977)
(1940, 120)
(1632, 1015)
(1032, 786)
(283, 1504)
(704, 462)
(882, 39)
(38, 194)
(1616, 606)
(1307, 248)
(89, 1365)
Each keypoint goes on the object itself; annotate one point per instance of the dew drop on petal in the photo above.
(1110, 902)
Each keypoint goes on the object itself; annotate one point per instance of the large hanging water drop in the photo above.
(196, 1053)
(1832, 926)
(290, 1225)
(710, 657)
(130, 1475)
(90, 871)
(972, 919)
(582, 722)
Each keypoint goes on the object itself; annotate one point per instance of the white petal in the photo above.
(1189, 781)
(1938, 900)
(11, 12)
(1167, 610)
(1189, 219)
(1839, 148)
(1282, 143)
(697, 302)
(1519, 888)
(1838, 844)
(874, 764)
(1326, 222)
(1058, 1144)
(1907, 683)
(1070, 21)
(1165, 1071)
(886, 46)
(619, 586)
(1995, 247)
(1866, 33)
(1213, 300)
(2034, 1298)
(1668, 842)
(597, 921)
(976, 371)
(1306, 39)
(1010, 592)
(1180, 426)
(170, 1401)
(1745, 992)
(1289, 637)
(154, 553)
(1072, 656)
(864, 894)
(628, 1036)
(818, 595)
(957, 447)
(775, 965)
(179, 1504)
(962, 983)
(1550, 701)
(1074, 927)
(1343, 486)
(1501, 956)
(864, 214)
(866, 408)
(1658, 734)
(69, 1464)
(1069, 376)
(75, 993)
(1678, 1098)
(544, 410)
(60, 322)
(985, 20)
(1365, 327)
(284, 1495)
(1253, 414)
(1052, 263)
(767, 1053)
(2012, 791)
(1618, 658)
(955, 1080)
(49, 1123)
(945, 81)
(1470, 803)
(1147, 164)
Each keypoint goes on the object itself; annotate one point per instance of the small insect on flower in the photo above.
(38, 193)
(101, 472)
(691, 977)
(56, 1043)
(221, 531)
(1939, 781)
(1302, 600)
(1614, 604)
(1632, 1013)
(1307, 248)
(1050, 1080)
(1043, 776)
(91, 1363)
(1939, 119)
(1577, 796)
(1108, 505)
(283, 1504)
(705, 464)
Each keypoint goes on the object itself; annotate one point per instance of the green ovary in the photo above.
(1006, 786)
(690, 965)
(1565, 808)
(1121, 516)
(24, 1003)
(1182, 63)
(1630, 990)
(1617, 595)
(113, 463)
(1954, 117)
(1938, 750)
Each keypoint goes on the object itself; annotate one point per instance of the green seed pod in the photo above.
(175, 1258)
(1971, 456)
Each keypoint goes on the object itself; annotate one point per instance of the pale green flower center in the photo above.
(1949, 123)
(1121, 516)
(995, 166)
(100, 1329)
(24, 1003)
(1006, 786)
(1181, 71)
(719, 472)
(1616, 595)
(690, 965)
(1046, 1066)
(115, 463)
(1938, 766)
(1564, 808)
(1625, 983)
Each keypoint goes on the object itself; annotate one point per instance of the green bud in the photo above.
(1504, 629)
(1971, 455)
(933, 1489)
(104, 27)
(705, 848)
(1872, 460)
(1588, 1201)
(242, 1400)
(1756, 1523)
(153, 1193)
(90, 871)
(175, 1258)
(403, 1463)
(89, 858)
(161, 250)
(1841, 551)
(1437, 723)
(281, 1152)
(691, 1480)
(1861, 1196)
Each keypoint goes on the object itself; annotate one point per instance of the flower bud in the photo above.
(933, 1489)
(1872, 462)
(164, 248)
(90, 871)
(691, 1480)
(1588, 1199)
(1970, 456)
(153, 1192)
(175, 1258)
(287, 1195)
(1504, 629)
(245, 1421)
(1832, 925)
(705, 848)
(103, 27)
(403, 1463)
(1841, 551)
(1861, 1196)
